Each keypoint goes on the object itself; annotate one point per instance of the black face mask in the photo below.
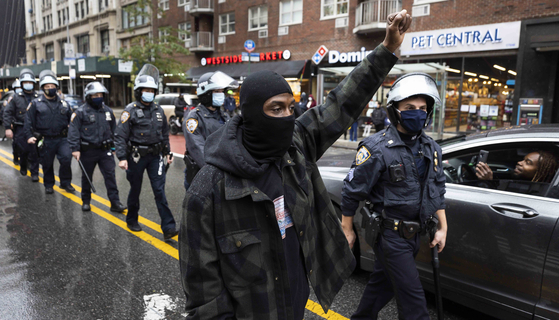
(266, 138)
(50, 92)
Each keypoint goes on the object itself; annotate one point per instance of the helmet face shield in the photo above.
(216, 81)
(148, 77)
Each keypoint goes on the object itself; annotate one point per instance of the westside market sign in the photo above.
(497, 36)
(264, 56)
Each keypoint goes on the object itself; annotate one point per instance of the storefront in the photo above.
(481, 71)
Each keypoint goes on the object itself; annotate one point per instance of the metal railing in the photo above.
(202, 4)
(201, 40)
(375, 11)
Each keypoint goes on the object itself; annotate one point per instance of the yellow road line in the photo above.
(159, 244)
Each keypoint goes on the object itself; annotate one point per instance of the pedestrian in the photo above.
(230, 104)
(302, 105)
(311, 103)
(180, 105)
(90, 137)
(142, 144)
(258, 224)
(14, 119)
(15, 150)
(46, 126)
(400, 172)
(378, 117)
(205, 119)
(353, 132)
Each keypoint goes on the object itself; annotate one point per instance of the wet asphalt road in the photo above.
(57, 262)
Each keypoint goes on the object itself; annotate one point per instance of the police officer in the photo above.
(46, 125)
(205, 119)
(399, 171)
(90, 137)
(16, 87)
(142, 144)
(14, 118)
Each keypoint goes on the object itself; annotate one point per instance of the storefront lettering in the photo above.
(344, 57)
(452, 39)
(264, 56)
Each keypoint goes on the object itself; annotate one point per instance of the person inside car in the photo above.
(537, 166)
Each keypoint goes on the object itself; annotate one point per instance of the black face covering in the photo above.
(266, 138)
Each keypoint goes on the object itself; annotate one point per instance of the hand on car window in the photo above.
(483, 172)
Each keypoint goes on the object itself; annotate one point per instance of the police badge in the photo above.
(191, 125)
(362, 155)
(124, 117)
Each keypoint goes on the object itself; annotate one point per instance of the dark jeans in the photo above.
(353, 132)
(59, 148)
(105, 159)
(28, 157)
(395, 273)
(135, 174)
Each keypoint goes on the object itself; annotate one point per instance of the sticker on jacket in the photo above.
(124, 116)
(191, 125)
(362, 155)
(282, 215)
(108, 116)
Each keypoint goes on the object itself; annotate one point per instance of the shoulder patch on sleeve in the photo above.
(124, 116)
(73, 116)
(362, 155)
(191, 125)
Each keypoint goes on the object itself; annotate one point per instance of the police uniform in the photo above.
(50, 118)
(91, 132)
(14, 118)
(387, 172)
(142, 138)
(200, 123)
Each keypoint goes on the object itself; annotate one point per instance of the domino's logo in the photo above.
(319, 54)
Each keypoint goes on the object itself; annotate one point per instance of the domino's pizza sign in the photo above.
(319, 54)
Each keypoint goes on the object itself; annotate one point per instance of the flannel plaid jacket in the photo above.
(231, 252)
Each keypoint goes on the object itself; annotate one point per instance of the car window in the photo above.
(510, 168)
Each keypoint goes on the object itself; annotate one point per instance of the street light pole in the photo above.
(71, 88)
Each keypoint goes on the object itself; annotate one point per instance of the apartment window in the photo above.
(184, 32)
(291, 12)
(105, 41)
(164, 5)
(33, 27)
(62, 49)
(182, 3)
(227, 23)
(59, 18)
(258, 18)
(103, 4)
(49, 51)
(334, 8)
(128, 19)
(163, 34)
(83, 44)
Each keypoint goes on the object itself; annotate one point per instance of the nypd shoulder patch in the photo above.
(362, 155)
(191, 125)
(124, 116)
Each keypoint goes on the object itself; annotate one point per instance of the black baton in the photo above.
(168, 164)
(436, 274)
(87, 177)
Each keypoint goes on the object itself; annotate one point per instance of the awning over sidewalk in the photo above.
(284, 68)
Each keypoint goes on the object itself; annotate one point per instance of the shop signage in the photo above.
(125, 66)
(263, 56)
(497, 36)
(346, 57)
(319, 54)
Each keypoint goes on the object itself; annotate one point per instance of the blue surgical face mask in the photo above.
(148, 96)
(97, 101)
(28, 86)
(413, 120)
(19, 90)
(218, 98)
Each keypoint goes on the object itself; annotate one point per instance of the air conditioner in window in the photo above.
(263, 33)
(221, 39)
(187, 44)
(282, 31)
(342, 22)
(419, 11)
(187, 7)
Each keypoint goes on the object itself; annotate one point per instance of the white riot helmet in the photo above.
(148, 77)
(409, 85)
(46, 77)
(27, 75)
(16, 84)
(93, 88)
(214, 81)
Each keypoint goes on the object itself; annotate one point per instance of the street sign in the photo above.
(69, 50)
(249, 45)
(254, 57)
(319, 54)
(69, 61)
(72, 73)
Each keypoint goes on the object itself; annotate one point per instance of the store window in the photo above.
(258, 18)
(105, 44)
(184, 33)
(227, 24)
(291, 12)
(83, 45)
(334, 8)
(49, 52)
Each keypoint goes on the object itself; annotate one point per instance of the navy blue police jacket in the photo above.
(141, 125)
(48, 118)
(406, 198)
(91, 125)
(17, 107)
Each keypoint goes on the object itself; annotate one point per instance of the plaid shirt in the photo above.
(231, 252)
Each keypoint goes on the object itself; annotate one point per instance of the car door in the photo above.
(496, 244)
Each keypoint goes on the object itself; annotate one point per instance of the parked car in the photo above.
(167, 102)
(75, 101)
(502, 249)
